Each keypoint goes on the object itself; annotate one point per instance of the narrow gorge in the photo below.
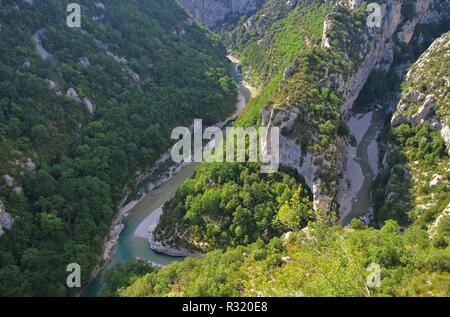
(358, 90)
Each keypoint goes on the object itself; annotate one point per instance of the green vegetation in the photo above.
(321, 260)
(414, 187)
(227, 205)
(85, 161)
(268, 53)
(381, 87)
(122, 276)
(269, 48)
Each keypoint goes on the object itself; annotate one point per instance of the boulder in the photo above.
(54, 87)
(30, 165)
(71, 93)
(84, 61)
(414, 95)
(10, 182)
(425, 110)
(89, 105)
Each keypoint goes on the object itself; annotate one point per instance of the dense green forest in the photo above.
(233, 204)
(145, 67)
(123, 276)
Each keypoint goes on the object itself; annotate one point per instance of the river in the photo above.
(130, 246)
(362, 163)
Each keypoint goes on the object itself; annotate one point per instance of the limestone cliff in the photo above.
(213, 12)
(420, 138)
(365, 49)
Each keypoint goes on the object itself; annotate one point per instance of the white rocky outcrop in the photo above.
(378, 48)
(415, 107)
(12, 184)
(30, 165)
(38, 44)
(169, 250)
(433, 227)
(9, 180)
(71, 93)
(425, 110)
(325, 39)
(376, 51)
(436, 180)
(112, 240)
(89, 105)
(84, 61)
(53, 87)
(291, 154)
(445, 133)
(6, 220)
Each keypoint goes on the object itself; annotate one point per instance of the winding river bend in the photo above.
(362, 163)
(131, 246)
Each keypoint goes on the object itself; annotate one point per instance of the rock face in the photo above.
(425, 110)
(171, 251)
(445, 133)
(10, 182)
(415, 107)
(212, 12)
(439, 220)
(6, 220)
(40, 49)
(89, 105)
(112, 240)
(54, 87)
(71, 93)
(422, 106)
(376, 51)
(84, 61)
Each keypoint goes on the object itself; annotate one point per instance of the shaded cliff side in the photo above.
(214, 12)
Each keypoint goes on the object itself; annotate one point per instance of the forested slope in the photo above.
(82, 110)
(321, 260)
